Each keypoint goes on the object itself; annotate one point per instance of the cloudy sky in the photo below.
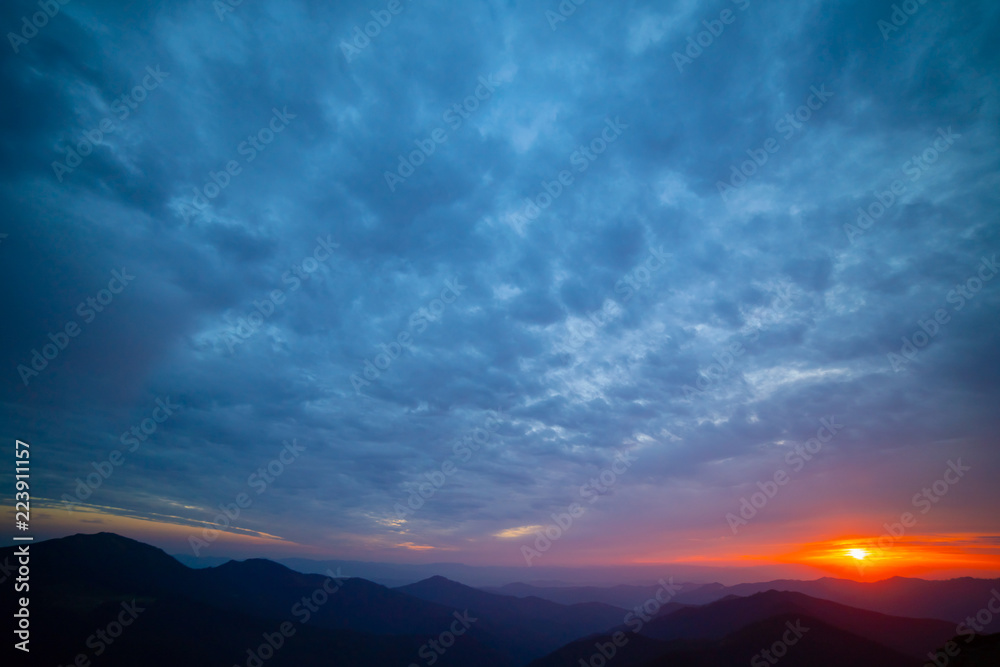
(506, 270)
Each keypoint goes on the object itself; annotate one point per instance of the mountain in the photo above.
(112, 601)
(531, 626)
(483, 576)
(357, 605)
(913, 637)
(817, 645)
(978, 651)
(84, 587)
(952, 600)
(623, 596)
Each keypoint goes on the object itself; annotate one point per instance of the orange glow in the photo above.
(869, 558)
(801, 550)
(158, 529)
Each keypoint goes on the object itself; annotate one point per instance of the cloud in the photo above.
(573, 386)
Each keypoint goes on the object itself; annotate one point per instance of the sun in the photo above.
(858, 554)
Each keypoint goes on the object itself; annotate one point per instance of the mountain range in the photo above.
(107, 600)
(952, 600)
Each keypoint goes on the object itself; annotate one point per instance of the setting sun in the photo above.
(859, 554)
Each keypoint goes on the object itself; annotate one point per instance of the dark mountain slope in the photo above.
(914, 637)
(950, 600)
(180, 616)
(532, 625)
(815, 645)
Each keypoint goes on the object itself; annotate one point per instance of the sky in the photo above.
(679, 283)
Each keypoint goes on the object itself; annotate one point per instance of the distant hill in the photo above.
(211, 617)
(220, 616)
(914, 637)
(821, 646)
(531, 626)
(622, 596)
(981, 651)
(951, 600)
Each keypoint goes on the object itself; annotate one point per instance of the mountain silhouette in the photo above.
(622, 595)
(213, 616)
(820, 645)
(950, 599)
(258, 613)
(531, 626)
(914, 637)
